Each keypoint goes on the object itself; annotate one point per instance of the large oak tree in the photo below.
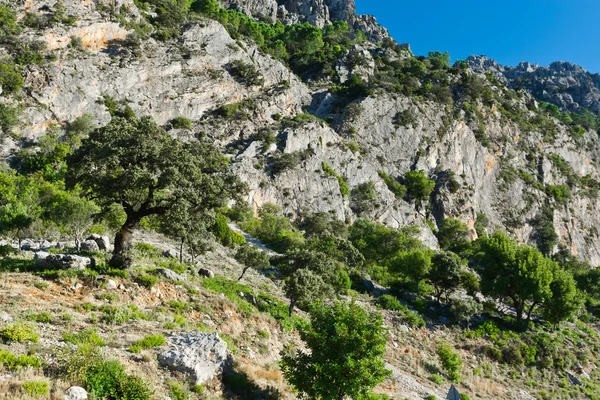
(133, 162)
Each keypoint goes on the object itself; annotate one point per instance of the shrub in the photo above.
(18, 333)
(181, 123)
(148, 342)
(405, 119)
(10, 80)
(450, 361)
(224, 234)
(85, 337)
(147, 280)
(43, 317)
(418, 186)
(390, 302)
(246, 73)
(393, 185)
(36, 388)
(108, 379)
(12, 363)
(363, 198)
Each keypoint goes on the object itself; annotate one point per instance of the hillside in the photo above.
(405, 183)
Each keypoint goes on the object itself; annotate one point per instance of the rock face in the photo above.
(565, 84)
(202, 355)
(61, 261)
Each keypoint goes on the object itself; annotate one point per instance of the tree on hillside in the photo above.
(346, 346)
(415, 264)
(445, 273)
(74, 215)
(418, 187)
(135, 163)
(251, 257)
(454, 235)
(519, 275)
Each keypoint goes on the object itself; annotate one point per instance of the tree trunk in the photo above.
(181, 250)
(292, 305)
(123, 242)
(243, 272)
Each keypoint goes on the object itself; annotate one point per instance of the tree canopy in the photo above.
(346, 346)
(131, 162)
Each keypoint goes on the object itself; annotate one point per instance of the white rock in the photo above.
(111, 285)
(201, 355)
(75, 393)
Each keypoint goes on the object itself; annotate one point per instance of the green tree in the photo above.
(8, 22)
(346, 346)
(450, 361)
(74, 215)
(445, 273)
(565, 301)
(454, 235)
(520, 275)
(304, 287)
(363, 199)
(418, 186)
(131, 162)
(415, 264)
(10, 79)
(251, 257)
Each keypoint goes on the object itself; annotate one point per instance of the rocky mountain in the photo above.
(564, 84)
(501, 158)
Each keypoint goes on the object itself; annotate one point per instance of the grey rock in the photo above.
(207, 273)
(90, 245)
(102, 241)
(111, 285)
(169, 274)
(574, 379)
(170, 253)
(202, 355)
(62, 261)
(75, 393)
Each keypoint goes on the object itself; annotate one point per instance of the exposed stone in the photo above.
(207, 273)
(202, 355)
(170, 253)
(111, 285)
(574, 379)
(169, 274)
(90, 245)
(75, 393)
(102, 241)
(62, 261)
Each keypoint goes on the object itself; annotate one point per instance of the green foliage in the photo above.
(108, 379)
(405, 119)
(450, 361)
(43, 317)
(393, 185)
(130, 162)
(465, 309)
(409, 316)
(342, 182)
(224, 234)
(181, 123)
(481, 223)
(147, 280)
(445, 273)
(9, 118)
(18, 333)
(251, 257)
(285, 162)
(36, 388)
(85, 337)
(115, 315)
(454, 235)
(10, 79)
(418, 186)
(13, 363)
(246, 73)
(346, 346)
(363, 198)
(273, 229)
(545, 234)
(148, 342)
(560, 193)
(8, 22)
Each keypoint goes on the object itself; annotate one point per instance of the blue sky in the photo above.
(510, 31)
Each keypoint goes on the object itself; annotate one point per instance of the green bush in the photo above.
(450, 361)
(181, 123)
(119, 315)
(390, 302)
(12, 363)
(393, 185)
(18, 333)
(246, 73)
(36, 388)
(43, 317)
(10, 80)
(147, 280)
(85, 337)
(148, 342)
(108, 379)
(224, 234)
(418, 186)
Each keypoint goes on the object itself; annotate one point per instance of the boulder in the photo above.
(102, 241)
(75, 393)
(202, 355)
(90, 245)
(61, 261)
(207, 273)
(167, 273)
(111, 285)
(170, 253)
(574, 379)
